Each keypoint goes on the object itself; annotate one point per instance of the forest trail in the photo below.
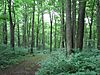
(27, 67)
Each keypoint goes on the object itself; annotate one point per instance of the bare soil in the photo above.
(27, 67)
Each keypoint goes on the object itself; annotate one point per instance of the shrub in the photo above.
(81, 63)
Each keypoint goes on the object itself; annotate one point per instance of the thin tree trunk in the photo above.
(55, 34)
(90, 24)
(43, 38)
(98, 24)
(33, 39)
(18, 33)
(37, 39)
(5, 25)
(11, 25)
(29, 28)
(62, 27)
(51, 22)
(25, 28)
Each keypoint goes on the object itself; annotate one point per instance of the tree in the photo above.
(5, 25)
(18, 33)
(51, 22)
(43, 38)
(81, 16)
(25, 25)
(55, 45)
(62, 23)
(73, 23)
(68, 27)
(33, 38)
(98, 23)
(11, 24)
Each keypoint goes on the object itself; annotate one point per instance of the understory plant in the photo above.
(86, 62)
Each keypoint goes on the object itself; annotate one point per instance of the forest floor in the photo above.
(26, 67)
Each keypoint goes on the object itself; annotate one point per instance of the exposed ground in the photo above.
(27, 67)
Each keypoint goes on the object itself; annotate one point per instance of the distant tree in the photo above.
(98, 23)
(51, 23)
(43, 35)
(62, 24)
(25, 25)
(33, 38)
(18, 31)
(5, 25)
(55, 39)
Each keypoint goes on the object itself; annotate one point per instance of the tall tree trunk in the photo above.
(55, 45)
(81, 16)
(68, 27)
(5, 25)
(98, 24)
(37, 39)
(25, 27)
(51, 22)
(73, 22)
(11, 25)
(18, 33)
(33, 39)
(62, 27)
(90, 24)
(90, 21)
(43, 38)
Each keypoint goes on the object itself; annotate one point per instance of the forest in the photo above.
(49, 37)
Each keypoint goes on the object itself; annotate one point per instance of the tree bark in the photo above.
(11, 25)
(43, 38)
(62, 23)
(51, 22)
(68, 27)
(55, 45)
(81, 16)
(98, 23)
(37, 39)
(5, 25)
(73, 22)
(33, 39)
(18, 33)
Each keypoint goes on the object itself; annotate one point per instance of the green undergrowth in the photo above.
(86, 62)
(9, 56)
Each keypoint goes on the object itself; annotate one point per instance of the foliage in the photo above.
(9, 57)
(83, 63)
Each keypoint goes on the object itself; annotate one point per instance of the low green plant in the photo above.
(86, 62)
(9, 57)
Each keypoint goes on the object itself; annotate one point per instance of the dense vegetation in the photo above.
(67, 31)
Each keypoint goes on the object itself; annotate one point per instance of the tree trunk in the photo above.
(33, 39)
(68, 27)
(62, 23)
(73, 22)
(43, 38)
(37, 39)
(11, 25)
(51, 22)
(18, 33)
(98, 24)
(5, 25)
(25, 28)
(81, 16)
(55, 34)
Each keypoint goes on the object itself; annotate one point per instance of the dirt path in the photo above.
(28, 67)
